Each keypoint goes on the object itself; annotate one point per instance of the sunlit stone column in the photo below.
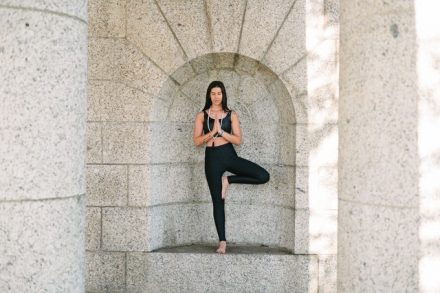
(43, 57)
(378, 245)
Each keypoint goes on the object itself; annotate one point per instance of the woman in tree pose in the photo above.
(218, 127)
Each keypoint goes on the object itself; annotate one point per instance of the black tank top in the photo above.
(226, 123)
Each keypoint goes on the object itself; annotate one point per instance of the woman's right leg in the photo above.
(213, 174)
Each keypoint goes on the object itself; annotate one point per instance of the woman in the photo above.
(218, 127)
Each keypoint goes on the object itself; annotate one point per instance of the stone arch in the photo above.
(180, 213)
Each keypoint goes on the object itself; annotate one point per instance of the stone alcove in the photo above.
(179, 208)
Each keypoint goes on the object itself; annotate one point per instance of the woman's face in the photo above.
(216, 96)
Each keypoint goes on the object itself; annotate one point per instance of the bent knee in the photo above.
(264, 177)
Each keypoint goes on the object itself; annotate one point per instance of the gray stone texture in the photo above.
(43, 53)
(226, 18)
(201, 272)
(377, 246)
(120, 60)
(107, 185)
(189, 21)
(378, 112)
(77, 9)
(261, 22)
(42, 245)
(105, 271)
(290, 43)
(43, 106)
(93, 228)
(106, 18)
(150, 31)
(94, 142)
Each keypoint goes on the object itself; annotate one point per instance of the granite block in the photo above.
(226, 19)
(94, 142)
(124, 229)
(93, 228)
(261, 23)
(316, 231)
(107, 18)
(42, 245)
(197, 272)
(125, 142)
(158, 41)
(376, 246)
(289, 44)
(188, 20)
(105, 271)
(43, 78)
(120, 60)
(77, 9)
(107, 185)
(119, 102)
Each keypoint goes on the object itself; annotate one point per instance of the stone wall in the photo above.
(149, 66)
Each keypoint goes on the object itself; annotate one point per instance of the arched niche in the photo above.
(179, 207)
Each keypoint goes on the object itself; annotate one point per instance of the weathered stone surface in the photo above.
(42, 245)
(93, 228)
(316, 231)
(106, 185)
(43, 103)
(327, 273)
(316, 145)
(73, 9)
(106, 18)
(148, 29)
(120, 60)
(94, 142)
(261, 23)
(183, 109)
(119, 102)
(125, 142)
(188, 19)
(374, 238)
(105, 271)
(202, 272)
(226, 19)
(160, 184)
(316, 188)
(124, 229)
(290, 43)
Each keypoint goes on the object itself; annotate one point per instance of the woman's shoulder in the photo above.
(200, 115)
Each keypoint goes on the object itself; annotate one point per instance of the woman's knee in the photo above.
(263, 176)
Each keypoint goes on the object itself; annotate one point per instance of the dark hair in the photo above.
(208, 102)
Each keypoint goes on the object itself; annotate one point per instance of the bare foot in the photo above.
(221, 247)
(225, 184)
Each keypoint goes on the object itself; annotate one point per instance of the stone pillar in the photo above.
(43, 57)
(378, 220)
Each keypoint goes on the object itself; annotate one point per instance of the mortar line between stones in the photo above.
(190, 163)
(123, 83)
(126, 260)
(209, 21)
(180, 203)
(376, 204)
(126, 19)
(278, 30)
(241, 33)
(174, 34)
(42, 199)
(44, 11)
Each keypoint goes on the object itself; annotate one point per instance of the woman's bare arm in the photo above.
(235, 136)
(198, 137)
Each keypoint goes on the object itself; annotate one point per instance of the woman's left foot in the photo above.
(221, 247)
(225, 184)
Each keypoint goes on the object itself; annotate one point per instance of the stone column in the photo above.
(43, 63)
(378, 157)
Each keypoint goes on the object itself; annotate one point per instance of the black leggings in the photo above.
(219, 159)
